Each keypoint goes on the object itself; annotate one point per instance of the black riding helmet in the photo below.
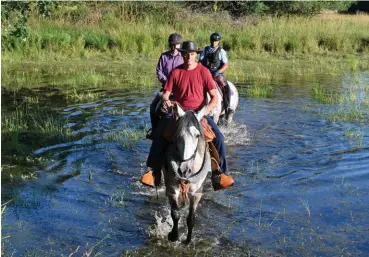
(175, 39)
(215, 37)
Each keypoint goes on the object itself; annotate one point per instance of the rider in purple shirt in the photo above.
(167, 62)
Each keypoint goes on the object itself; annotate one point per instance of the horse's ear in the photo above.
(201, 113)
(180, 111)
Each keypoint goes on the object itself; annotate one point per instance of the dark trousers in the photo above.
(218, 141)
(153, 117)
(159, 145)
(222, 82)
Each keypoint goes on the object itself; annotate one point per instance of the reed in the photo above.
(127, 137)
(82, 96)
(259, 91)
(322, 95)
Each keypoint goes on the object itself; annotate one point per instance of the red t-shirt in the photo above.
(189, 87)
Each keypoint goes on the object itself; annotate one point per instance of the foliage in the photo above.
(114, 29)
(14, 17)
(278, 8)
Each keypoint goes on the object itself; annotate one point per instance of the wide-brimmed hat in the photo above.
(189, 46)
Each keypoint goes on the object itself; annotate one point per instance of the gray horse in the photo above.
(218, 112)
(186, 167)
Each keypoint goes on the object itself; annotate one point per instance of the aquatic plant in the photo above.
(117, 198)
(354, 135)
(83, 96)
(258, 91)
(322, 95)
(126, 136)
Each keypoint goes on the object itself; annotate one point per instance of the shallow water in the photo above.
(301, 185)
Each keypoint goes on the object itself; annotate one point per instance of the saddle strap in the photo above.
(183, 196)
(208, 131)
(214, 157)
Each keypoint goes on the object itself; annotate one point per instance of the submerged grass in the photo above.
(258, 91)
(350, 114)
(355, 136)
(128, 137)
(20, 121)
(321, 95)
(75, 96)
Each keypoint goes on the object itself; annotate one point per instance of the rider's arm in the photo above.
(160, 70)
(213, 100)
(223, 58)
(165, 98)
(202, 55)
(223, 68)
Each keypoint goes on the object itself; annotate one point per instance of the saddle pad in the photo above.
(208, 131)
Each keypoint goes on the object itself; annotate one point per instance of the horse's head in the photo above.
(188, 133)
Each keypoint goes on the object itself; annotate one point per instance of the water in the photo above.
(301, 185)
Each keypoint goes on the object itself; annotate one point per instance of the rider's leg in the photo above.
(156, 156)
(222, 82)
(222, 179)
(153, 116)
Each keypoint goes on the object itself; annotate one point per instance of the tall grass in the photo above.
(258, 91)
(22, 121)
(324, 96)
(114, 44)
(109, 28)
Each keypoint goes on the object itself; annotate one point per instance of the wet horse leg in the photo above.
(194, 201)
(174, 211)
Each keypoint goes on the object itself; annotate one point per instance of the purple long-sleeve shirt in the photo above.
(167, 62)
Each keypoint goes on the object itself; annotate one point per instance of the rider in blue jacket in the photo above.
(214, 57)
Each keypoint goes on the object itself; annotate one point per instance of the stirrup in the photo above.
(149, 134)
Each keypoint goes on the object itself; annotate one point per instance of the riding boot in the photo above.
(221, 180)
(151, 178)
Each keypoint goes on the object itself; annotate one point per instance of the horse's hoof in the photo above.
(172, 236)
(187, 241)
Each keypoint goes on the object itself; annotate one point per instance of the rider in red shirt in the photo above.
(189, 84)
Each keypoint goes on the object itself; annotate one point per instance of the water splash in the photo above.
(235, 134)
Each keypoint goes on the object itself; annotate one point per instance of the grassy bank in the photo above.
(77, 45)
(109, 29)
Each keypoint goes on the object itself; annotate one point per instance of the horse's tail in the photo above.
(183, 190)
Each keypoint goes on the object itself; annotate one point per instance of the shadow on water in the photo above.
(301, 182)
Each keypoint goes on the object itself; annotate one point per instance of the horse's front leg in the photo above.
(174, 211)
(194, 201)
(229, 118)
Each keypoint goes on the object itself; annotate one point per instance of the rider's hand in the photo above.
(167, 104)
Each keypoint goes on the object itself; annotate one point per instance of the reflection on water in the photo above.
(301, 184)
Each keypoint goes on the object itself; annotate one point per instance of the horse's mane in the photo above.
(186, 121)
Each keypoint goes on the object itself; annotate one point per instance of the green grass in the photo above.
(20, 121)
(82, 96)
(355, 136)
(350, 114)
(260, 91)
(97, 33)
(127, 137)
(322, 95)
(89, 79)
